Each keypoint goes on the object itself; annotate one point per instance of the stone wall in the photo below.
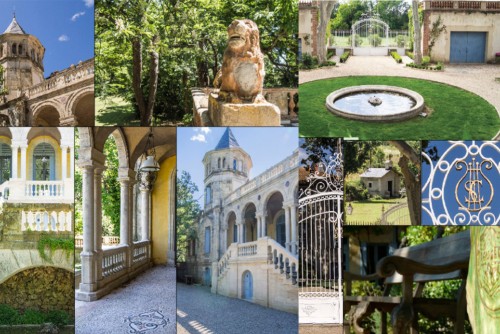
(40, 288)
(308, 28)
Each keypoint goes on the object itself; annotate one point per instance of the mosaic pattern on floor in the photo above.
(146, 321)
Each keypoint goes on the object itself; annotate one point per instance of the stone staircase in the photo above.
(273, 270)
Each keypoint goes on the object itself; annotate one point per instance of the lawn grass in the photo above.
(370, 211)
(456, 113)
(113, 111)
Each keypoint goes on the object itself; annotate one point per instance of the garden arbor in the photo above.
(370, 37)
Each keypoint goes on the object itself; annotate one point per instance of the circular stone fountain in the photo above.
(375, 103)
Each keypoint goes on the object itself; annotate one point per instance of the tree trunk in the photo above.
(417, 34)
(412, 186)
(153, 86)
(137, 75)
(325, 12)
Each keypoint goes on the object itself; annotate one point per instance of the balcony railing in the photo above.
(62, 79)
(469, 6)
(44, 189)
(43, 221)
(114, 261)
(29, 191)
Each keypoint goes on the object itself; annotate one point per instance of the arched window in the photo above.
(224, 163)
(20, 49)
(5, 162)
(14, 49)
(218, 163)
(207, 240)
(234, 164)
(208, 195)
(44, 166)
(1, 50)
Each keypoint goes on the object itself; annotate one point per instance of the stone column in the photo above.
(259, 227)
(23, 175)
(216, 234)
(124, 211)
(64, 162)
(98, 219)
(15, 149)
(293, 222)
(287, 227)
(239, 233)
(146, 184)
(88, 281)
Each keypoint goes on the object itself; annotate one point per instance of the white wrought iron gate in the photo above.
(320, 239)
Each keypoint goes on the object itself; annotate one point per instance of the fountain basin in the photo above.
(397, 104)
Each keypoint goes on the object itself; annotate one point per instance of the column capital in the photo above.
(146, 181)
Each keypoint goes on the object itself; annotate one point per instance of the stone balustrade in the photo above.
(73, 74)
(284, 261)
(106, 241)
(44, 189)
(29, 191)
(113, 261)
(140, 252)
(247, 249)
(482, 6)
(223, 264)
(43, 221)
(271, 173)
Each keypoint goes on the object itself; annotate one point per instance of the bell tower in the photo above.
(21, 58)
(227, 167)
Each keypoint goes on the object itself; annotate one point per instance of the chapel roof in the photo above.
(227, 140)
(375, 172)
(14, 28)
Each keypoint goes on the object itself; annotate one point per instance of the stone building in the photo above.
(27, 98)
(36, 203)
(472, 32)
(384, 182)
(147, 206)
(246, 244)
(308, 27)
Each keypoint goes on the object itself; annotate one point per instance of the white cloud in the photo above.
(205, 130)
(63, 38)
(199, 137)
(76, 16)
(89, 3)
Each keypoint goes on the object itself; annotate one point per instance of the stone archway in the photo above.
(249, 223)
(370, 37)
(273, 208)
(46, 115)
(232, 229)
(82, 107)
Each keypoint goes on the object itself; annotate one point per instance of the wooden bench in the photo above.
(438, 260)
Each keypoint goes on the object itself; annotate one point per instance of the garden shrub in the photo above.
(330, 54)
(344, 56)
(32, 317)
(426, 60)
(58, 318)
(401, 41)
(357, 40)
(375, 40)
(8, 315)
(309, 62)
(356, 190)
(396, 57)
(409, 54)
(328, 63)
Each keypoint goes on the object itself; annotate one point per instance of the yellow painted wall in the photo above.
(160, 211)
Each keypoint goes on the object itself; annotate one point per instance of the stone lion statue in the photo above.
(242, 74)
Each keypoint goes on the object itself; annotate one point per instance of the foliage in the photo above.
(409, 54)
(396, 57)
(308, 62)
(357, 40)
(375, 40)
(346, 14)
(410, 23)
(344, 56)
(53, 243)
(111, 190)
(356, 190)
(10, 316)
(187, 39)
(330, 54)
(426, 60)
(78, 189)
(358, 154)
(187, 213)
(394, 13)
(401, 41)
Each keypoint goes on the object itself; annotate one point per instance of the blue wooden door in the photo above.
(467, 47)
(247, 285)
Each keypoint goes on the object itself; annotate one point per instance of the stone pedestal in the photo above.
(247, 114)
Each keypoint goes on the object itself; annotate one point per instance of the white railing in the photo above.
(114, 260)
(283, 260)
(140, 252)
(247, 249)
(61, 80)
(469, 6)
(44, 221)
(223, 264)
(106, 241)
(44, 189)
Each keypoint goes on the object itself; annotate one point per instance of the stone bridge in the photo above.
(66, 98)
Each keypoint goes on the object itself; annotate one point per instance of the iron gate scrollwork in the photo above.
(320, 238)
(459, 181)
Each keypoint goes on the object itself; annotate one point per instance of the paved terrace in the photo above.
(144, 305)
(199, 311)
(479, 79)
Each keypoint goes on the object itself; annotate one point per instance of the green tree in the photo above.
(187, 214)
(394, 13)
(345, 15)
(111, 190)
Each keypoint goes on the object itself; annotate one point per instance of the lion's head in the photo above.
(243, 35)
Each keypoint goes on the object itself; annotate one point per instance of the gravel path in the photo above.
(479, 79)
(199, 311)
(146, 305)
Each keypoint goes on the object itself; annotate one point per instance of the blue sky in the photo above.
(64, 27)
(456, 176)
(266, 147)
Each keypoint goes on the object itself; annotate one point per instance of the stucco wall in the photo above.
(160, 212)
(308, 23)
(462, 21)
